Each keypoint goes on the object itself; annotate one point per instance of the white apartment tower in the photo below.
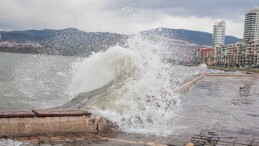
(218, 36)
(251, 30)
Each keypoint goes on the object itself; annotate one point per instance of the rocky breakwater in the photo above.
(50, 121)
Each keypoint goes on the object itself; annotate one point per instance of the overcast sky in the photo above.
(124, 16)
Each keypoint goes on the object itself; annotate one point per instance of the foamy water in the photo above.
(132, 86)
(141, 98)
(9, 142)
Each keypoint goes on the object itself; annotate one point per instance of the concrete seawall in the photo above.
(187, 85)
(17, 123)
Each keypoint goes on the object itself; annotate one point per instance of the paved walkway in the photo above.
(108, 139)
(208, 138)
(215, 139)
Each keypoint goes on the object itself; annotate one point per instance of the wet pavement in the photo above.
(224, 104)
(215, 139)
(204, 138)
(83, 139)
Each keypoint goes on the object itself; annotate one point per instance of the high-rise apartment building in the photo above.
(218, 37)
(251, 30)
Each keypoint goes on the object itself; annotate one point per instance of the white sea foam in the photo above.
(203, 66)
(139, 96)
(9, 142)
(141, 100)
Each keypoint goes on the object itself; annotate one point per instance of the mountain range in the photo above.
(67, 42)
(196, 37)
(72, 41)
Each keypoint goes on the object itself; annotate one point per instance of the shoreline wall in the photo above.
(18, 125)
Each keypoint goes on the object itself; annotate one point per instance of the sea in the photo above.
(133, 86)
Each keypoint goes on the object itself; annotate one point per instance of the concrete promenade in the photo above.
(225, 106)
(186, 86)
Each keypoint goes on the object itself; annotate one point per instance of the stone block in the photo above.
(59, 113)
(211, 133)
(59, 145)
(227, 140)
(79, 139)
(56, 139)
(16, 114)
(244, 142)
(195, 139)
(45, 144)
(224, 144)
(43, 138)
(214, 139)
(29, 144)
(34, 140)
(200, 143)
(22, 139)
(189, 144)
(237, 144)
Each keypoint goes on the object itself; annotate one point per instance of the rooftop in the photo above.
(255, 10)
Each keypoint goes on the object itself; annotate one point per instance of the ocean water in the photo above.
(132, 86)
(33, 81)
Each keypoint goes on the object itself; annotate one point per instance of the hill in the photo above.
(196, 37)
(67, 42)
(74, 42)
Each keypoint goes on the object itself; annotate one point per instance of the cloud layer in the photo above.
(124, 16)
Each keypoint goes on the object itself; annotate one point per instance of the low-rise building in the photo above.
(232, 55)
(204, 55)
(240, 54)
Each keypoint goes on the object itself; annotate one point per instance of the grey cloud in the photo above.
(228, 9)
(8, 26)
(121, 16)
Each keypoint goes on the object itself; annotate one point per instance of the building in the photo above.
(231, 55)
(223, 55)
(251, 54)
(204, 55)
(218, 36)
(241, 54)
(251, 38)
(217, 55)
(251, 27)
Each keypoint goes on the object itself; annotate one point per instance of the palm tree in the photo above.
(249, 59)
(225, 60)
(243, 60)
